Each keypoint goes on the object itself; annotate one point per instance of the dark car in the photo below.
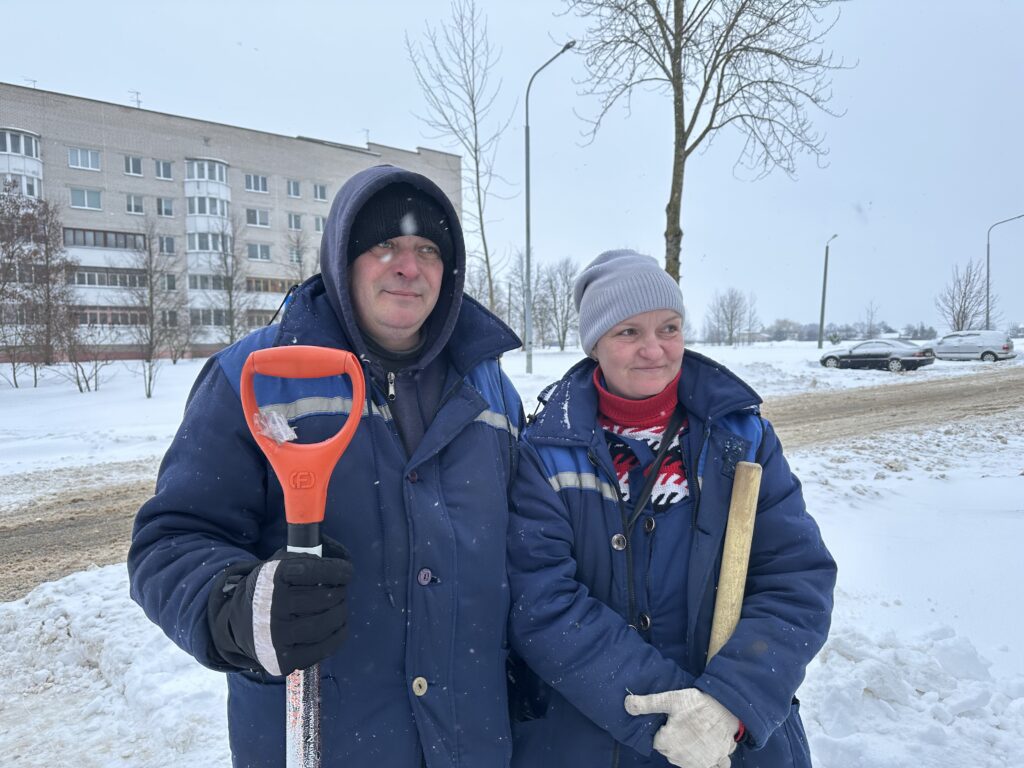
(887, 354)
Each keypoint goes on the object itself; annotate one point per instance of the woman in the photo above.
(615, 545)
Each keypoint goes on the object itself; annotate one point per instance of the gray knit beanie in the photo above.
(617, 285)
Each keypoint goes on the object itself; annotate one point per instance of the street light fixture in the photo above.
(988, 249)
(824, 284)
(528, 341)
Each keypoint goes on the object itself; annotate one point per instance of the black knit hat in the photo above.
(399, 209)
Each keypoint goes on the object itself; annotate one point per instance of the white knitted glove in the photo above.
(699, 732)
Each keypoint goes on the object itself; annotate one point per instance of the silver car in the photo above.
(975, 345)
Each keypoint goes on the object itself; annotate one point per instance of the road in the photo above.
(89, 520)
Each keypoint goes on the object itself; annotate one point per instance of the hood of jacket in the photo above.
(353, 194)
(707, 390)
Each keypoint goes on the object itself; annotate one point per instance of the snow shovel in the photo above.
(739, 533)
(304, 471)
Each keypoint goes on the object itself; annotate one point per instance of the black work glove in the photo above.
(281, 614)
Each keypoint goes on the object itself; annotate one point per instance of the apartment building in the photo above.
(124, 177)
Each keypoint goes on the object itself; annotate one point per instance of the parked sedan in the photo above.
(888, 354)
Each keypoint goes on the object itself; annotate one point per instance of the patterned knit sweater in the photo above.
(634, 430)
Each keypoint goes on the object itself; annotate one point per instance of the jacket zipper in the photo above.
(391, 386)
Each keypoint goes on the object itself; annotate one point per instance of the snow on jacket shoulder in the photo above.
(427, 536)
(570, 617)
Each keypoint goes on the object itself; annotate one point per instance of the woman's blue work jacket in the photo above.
(578, 587)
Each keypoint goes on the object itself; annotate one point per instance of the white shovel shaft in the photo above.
(302, 707)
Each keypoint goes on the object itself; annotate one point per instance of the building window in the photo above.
(166, 244)
(170, 282)
(259, 251)
(294, 190)
(318, 223)
(133, 204)
(112, 316)
(255, 183)
(295, 255)
(93, 238)
(133, 165)
(87, 159)
(294, 221)
(266, 285)
(169, 318)
(163, 170)
(208, 241)
(25, 185)
(110, 278)
(320, 192)
(198, 317)
(205, 169)
(199, 282)
(19, 144)
(259, 317)
(257, 217)
(213, 206)
(165, 206)
(86, 198)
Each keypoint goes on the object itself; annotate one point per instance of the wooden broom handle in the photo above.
(739, 532)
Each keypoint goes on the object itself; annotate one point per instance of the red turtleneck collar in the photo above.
(656, 409)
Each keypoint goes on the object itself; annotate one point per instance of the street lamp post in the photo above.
(988, 250)
(824, 284)
(528, 298)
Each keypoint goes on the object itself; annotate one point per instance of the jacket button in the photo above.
(643, 622)
(419, 686)
(649, 524)
(618, 542)
(424, 576)
(414, 476)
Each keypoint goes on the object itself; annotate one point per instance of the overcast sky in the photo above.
(926, 157)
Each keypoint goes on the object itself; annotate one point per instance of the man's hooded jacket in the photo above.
(426, 533)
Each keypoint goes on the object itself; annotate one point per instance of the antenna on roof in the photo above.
(367, 132)
(137, 98)
(30, 80)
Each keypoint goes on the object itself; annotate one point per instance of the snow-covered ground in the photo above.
(924, 666)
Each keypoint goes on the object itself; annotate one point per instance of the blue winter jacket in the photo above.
(426, 533)
(585, 613)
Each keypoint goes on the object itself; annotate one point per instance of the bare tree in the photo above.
(517, 291)
(300, 255)
(783, 329)
(962, 301)
(230, 268)
(454, 66)
(15, 269)
(476, 282)
(556, 284)
(755, 65)
(46, 273)
(725, 317)
(688, 331)
(871, 328)
(160, 301)
(751, 322)
(87, 350)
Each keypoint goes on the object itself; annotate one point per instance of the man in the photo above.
(407, 609)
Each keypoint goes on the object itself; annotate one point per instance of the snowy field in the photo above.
(924, 665)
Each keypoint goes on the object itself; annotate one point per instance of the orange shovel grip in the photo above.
(303, 469)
